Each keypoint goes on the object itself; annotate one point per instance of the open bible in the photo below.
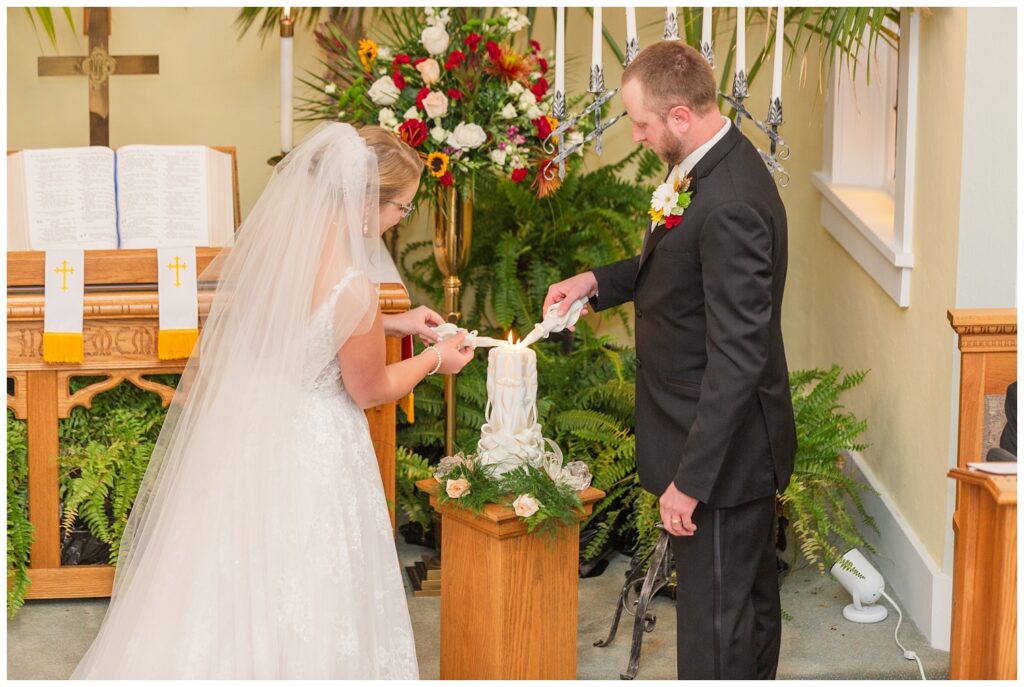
(141, 196)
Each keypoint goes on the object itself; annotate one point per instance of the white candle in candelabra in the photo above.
(741, 40)
(598, 38)
(630, 25)
(705, 27)
(560, 51)
(287, 48)
(780, 41)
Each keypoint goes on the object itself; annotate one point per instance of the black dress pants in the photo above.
(727, 602)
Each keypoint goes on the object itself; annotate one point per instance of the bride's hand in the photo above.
(417, 321)
(453, 356)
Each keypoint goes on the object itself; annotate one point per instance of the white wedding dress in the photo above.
(318, 595)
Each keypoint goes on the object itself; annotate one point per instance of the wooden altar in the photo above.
(983, 641)
(120, 331)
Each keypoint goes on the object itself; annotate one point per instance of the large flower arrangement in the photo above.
(453, 86)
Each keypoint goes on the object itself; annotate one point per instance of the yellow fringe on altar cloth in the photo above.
(63, 347)
(408, 405)
(176, 343)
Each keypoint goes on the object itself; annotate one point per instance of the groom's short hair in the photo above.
(672, 73)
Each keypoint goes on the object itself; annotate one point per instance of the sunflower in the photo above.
(367, 52)
(437, 164)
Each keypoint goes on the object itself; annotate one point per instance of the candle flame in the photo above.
(511, 336)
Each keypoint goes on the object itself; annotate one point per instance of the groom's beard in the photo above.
(671, 150)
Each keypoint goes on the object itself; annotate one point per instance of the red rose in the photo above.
(543, 65)
(454, 94)
(540, 87)
(543, 127)
(493, 50)
(413, 132)
(455, 59)
(446, 180)
(473, 40)
(535, 46)
(400, 80)
(518, 174)
(401, 58)
(672, 220)
(418, 60)
(423, 93)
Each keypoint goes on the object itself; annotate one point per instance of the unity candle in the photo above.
(511, 436)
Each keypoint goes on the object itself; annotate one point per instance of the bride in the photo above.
(259, 545)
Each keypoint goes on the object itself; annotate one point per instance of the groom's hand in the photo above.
(677, 511)
(569, 291)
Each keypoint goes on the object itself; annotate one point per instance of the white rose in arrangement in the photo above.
(518, 23)
(438, 133)
(509, 112)
(467, 136)
(515, 88)
(575, 475)
(435, 39)
(516, 162)
(430, 70)
(436, 104)
(527, 100)
(533, 112)
(331, 89)
(411, 113)
(457, 488)
(384, 91)
(386, 118)
(498, 157)
(449, 463)
(525, 506)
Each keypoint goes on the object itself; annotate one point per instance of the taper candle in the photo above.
(780, 41)
(287, 51)
(741, 41)
(705, 27)
(560, 51)
(598, 38)
(630, 25)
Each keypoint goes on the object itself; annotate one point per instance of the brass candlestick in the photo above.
(453, 232)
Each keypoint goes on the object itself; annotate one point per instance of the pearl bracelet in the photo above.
(438, 354)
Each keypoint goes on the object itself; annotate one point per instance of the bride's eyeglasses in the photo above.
(406, 209)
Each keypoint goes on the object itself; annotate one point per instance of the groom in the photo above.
(715, 437)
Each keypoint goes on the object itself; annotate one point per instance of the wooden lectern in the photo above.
(983, 642)
(121, 324)
(509, 599)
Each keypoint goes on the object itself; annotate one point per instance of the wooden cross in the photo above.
(63, 272)
(98, 65)
(177, 266)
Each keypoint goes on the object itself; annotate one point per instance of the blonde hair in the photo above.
(398, 164)
(673, 73)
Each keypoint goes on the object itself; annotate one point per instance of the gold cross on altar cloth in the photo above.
(177, 266)
(99, 65)
(63, 272)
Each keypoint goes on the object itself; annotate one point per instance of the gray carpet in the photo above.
(47, 638)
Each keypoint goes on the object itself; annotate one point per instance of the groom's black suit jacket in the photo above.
(713, 407)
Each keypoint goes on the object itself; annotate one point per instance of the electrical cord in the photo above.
(909, 655)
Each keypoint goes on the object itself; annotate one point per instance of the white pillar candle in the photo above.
(671, 24)
(511, 390)
(598, 38)
(705, 27)
(560, 51)
(630, 25)
(741, 40)
(287, 51)
(780, 41)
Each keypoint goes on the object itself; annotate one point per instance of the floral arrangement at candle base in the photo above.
(458, 85)
(543, 498)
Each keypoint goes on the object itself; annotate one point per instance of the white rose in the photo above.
(525, 506)
(533, 112)
(518, 23)
(436, 104)
(411, 113)
(526, 100)
(430, 70)
(467, 136)
(434, 39)
(575, 475)
(386, 116)
(438, 134)
(331, 89)
(498, 157)
(509, 112)
(456, 488)
(517, 162)
(515, 88)
(384, 91)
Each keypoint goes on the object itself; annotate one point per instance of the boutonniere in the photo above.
(670, 200)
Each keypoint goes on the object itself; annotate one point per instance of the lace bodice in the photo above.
(323, 373)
